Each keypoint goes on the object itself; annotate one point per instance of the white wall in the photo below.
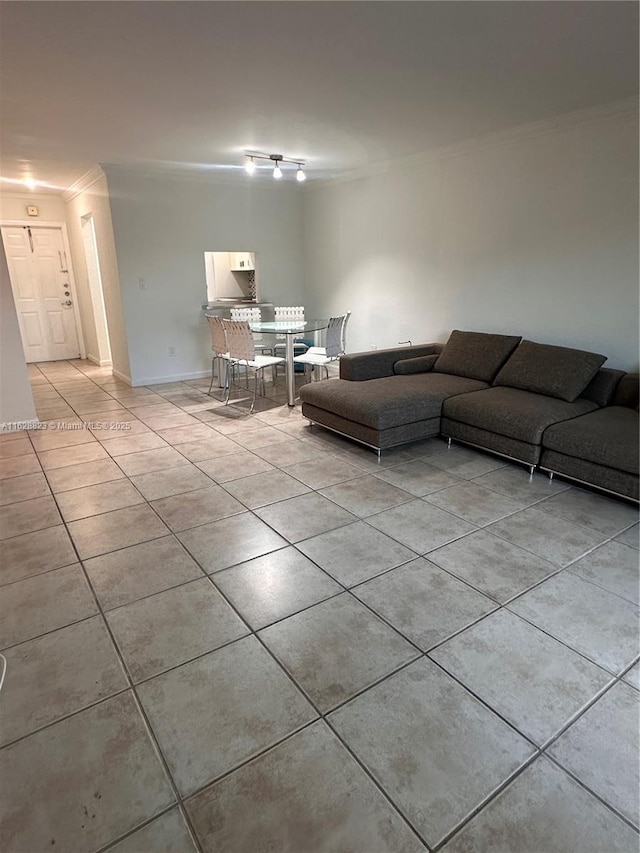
(537, 236)
(16, 399)
(162, 227)
(14, 206)
(93, 199)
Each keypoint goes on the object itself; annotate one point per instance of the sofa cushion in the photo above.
(555, 371)
(606, 437)
(514, 413)
(475, 355)
(387, 402)
(627, 391)
(414, 365)
(603, 385)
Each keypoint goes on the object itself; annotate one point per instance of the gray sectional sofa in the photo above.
(547, 406)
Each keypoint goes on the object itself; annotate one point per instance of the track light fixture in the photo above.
(277, 160)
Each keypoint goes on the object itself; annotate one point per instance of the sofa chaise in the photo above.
(496, 392)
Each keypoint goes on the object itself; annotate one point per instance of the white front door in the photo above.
(41, 289)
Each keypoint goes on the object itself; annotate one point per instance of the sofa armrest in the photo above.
(375, 364)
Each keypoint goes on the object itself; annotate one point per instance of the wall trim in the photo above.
(122, 376)
(83, 183)
(174, 377)
(627, 107)
(106, 362)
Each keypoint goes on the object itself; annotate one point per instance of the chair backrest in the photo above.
(218, 341)
(343, 333)
(334, 340)
(239, 340)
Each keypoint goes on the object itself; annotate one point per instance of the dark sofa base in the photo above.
(376, 439)
(519, 451)
(619, 483)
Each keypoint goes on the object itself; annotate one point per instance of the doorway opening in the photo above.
(94, 277)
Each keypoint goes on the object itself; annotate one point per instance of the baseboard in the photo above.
(175, 377)
(105, 362)
(122, 376)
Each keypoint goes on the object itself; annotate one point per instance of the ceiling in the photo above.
(342, 85)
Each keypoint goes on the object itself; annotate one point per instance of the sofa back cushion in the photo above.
(555, 371)
(603, 385)
(422, 364)
(475, 355)
(627, 391)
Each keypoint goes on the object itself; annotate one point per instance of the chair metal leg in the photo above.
(213, 364)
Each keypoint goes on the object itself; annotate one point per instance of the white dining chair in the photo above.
(219, 351)
(322, 357)
(242, 353)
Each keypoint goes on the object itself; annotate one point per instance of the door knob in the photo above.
(67, 302)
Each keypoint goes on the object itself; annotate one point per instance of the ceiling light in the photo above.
(277, 160)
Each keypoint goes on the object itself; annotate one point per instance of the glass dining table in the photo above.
(290, 330)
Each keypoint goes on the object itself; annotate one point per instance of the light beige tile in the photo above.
(316, 794)
(171, 627)
(336, 649)
(131, 573)
(57, 674)
(601, 749)
(533, 681)
(494, 566)
(27, 516)
(133, 443)
(321, 471)
(21, 447)
(54, 439)
(182, 434)
(166, 834)
(64, 456)
(175, 481)
(18, 466)
(598, 512)
(424, 602)
(275, 585)
(305, 516)
(197, 507)
(208, 448)
(261, 489)
(366, 495)
(612, 566)
(109, 531)
(23, 488)
(420, 525)
(355, 553)
(93, 500)
(554, 539)
(223, 469)
(84, 474)
(150, 460)
(230, 541)
(43, 603)
(590, 620)
(418, 477)
(217, 711)
(474, 503)
(87, 780)
(402, 728)
(34, 553)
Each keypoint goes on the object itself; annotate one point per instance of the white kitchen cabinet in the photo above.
(241, 261)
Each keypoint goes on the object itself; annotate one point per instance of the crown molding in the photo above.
(237, 178)
(627, 107)
(83, 183)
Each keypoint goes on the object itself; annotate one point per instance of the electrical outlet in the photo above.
(172, 351)
(373, 346)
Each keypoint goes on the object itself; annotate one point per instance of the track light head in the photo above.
(300, 175)
(250, 166)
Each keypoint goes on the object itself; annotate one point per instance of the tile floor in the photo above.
(236, 633)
